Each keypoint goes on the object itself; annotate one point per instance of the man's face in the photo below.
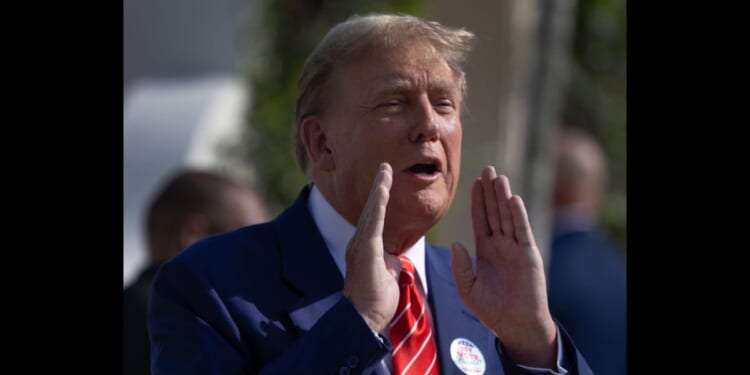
(243, 209)
(401, 107)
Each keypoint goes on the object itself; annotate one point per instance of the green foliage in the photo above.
(292, 29)
(597, 101)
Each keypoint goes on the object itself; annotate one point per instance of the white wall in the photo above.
(170, 124)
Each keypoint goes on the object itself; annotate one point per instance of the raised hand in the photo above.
(508, 292)
(371, 274)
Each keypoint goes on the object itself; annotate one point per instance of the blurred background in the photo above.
(212, 85)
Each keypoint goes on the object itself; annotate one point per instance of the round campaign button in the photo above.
(467, 357)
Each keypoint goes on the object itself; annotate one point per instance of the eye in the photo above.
(444, 105)
(391, 105)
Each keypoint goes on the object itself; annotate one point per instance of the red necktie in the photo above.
(411, 335)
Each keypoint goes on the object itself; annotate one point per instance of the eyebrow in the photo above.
(391, 86)
(401, 85)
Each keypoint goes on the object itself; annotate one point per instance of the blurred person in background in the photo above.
(343, 281)
(190, 206)
(587, 270)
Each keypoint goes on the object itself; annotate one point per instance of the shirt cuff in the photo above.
(560, 370)
(379, 336)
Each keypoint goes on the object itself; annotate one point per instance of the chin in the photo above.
(426, 207)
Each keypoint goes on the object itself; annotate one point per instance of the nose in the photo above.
(424, 122)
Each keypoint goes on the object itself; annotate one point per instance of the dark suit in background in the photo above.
(587, 270)
(587, 295)
(136, 358)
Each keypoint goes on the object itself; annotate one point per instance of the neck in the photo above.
(399, 245)
(396, 238)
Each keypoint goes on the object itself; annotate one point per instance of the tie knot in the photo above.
(407, 271)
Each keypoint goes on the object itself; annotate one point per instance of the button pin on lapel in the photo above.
(467, 357)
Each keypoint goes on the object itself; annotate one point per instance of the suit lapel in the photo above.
(308, 268)
(451, 318)
(306, 264)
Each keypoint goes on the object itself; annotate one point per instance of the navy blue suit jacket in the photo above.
(267, 299)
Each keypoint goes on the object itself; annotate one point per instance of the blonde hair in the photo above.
(366, 33)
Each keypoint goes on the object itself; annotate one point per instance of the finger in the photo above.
(502, 192)
(373, 215)
(521, 222)
(478, 214)
(461, 267)
(490, 201)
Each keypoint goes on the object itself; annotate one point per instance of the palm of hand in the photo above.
(508, 278)
(508, 289)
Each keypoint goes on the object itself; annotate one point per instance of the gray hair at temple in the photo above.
(374, 32)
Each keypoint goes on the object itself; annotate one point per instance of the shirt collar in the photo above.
(337, 232)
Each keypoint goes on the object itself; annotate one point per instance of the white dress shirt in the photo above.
(337, 231)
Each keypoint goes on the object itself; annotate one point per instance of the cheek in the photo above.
(452, 140)
(381, 141)
(346, 145)
(363, 152)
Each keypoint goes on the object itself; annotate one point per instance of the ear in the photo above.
(194, 227)
(316, 143)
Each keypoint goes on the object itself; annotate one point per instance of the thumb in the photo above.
(373, 215)
(461, 267)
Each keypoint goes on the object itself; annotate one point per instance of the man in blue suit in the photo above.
(316, 291)
(190, 204)
(587, 283)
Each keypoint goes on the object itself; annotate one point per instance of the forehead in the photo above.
(400, 67)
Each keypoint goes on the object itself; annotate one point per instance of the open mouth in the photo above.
(423, 168)
(426, 168)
